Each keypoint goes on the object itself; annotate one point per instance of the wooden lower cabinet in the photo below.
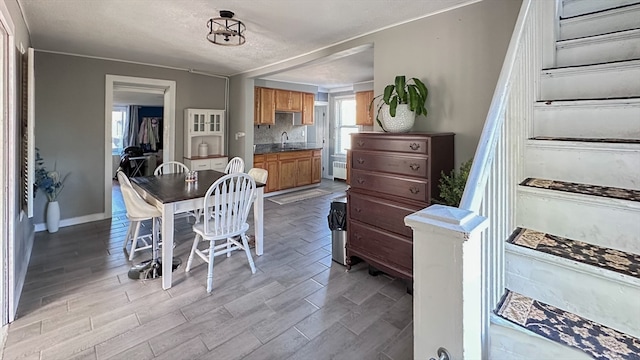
(316, 167)
(290, 169)
(303, 177)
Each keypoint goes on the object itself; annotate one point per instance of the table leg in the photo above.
(258, 217)
(167, 245)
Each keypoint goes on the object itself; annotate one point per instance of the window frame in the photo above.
(339, 126)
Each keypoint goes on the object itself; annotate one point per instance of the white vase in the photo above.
(402, 122)
(53, 216)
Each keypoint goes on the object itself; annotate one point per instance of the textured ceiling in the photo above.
(173, 32)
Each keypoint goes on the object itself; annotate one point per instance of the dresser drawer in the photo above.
(381, 213)
(385, 162)
(408, 188)
(204, 164)
(219, 164)
(382, 143)
(393, 250)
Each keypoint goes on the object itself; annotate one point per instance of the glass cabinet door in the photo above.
(198, 123)
(215, 123)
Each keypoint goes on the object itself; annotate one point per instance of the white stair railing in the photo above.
(490, 193)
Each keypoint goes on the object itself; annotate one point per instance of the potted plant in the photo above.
(452, 186)
(51, 184)
(400, 104)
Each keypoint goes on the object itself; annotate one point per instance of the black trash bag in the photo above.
(337, 217)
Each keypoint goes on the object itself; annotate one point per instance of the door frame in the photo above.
(169, 137)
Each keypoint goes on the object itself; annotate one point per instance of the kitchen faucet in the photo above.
(283, 138)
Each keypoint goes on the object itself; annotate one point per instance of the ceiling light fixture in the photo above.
(225, 30)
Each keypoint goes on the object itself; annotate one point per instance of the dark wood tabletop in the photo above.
(170, 188)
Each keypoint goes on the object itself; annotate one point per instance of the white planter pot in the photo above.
(402, 122)
(53, 216)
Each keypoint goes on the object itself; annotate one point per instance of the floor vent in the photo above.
(340, 170)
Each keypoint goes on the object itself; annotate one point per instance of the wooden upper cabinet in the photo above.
(264, 112)
(288, 100)
(308, 108)
(364, 115)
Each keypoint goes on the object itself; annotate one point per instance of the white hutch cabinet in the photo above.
(204, 139)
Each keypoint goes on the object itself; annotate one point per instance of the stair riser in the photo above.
(580, 217)
(600, 23)
(510, 343)
(579, 7)
(613, 47)
(615, 167)
(598, 298)
(591, 83)
(597, 119)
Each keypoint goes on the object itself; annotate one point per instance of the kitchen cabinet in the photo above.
(391, 176)
(268, 162)
(290, 169)
(204, 130)
(364, 115)
(288, 100)
(308, 108)
(265, 106)
(316, 167)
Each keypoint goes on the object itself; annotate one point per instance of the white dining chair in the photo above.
(235, 165)
(259, 175)
(231, 196)
(171, 167)
(138, 210)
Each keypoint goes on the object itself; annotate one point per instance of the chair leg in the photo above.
(210, 271)
(228, 248)
(134, 242)
(247, 251)
(196, 240)
(127, 239)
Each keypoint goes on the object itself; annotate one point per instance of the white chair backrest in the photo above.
(235, 165)
(259, 175)
(135, 204)
(227, 204)
(171, 167)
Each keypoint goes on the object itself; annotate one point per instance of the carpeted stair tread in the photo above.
(610, 259)
(598, 140)
(597, 340)
(585, 189)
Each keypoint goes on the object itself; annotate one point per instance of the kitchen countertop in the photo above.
(277, 148)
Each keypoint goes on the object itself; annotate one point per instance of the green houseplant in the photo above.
(452, 186)
(401, 99)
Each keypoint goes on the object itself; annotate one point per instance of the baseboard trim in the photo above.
(75, 221)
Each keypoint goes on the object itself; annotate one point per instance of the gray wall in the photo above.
(458, 54)
(70, 100)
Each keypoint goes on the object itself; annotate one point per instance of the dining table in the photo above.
(171, 194)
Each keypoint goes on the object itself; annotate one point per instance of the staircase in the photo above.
(572, 267)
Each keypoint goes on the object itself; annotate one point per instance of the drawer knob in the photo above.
(414, 166)
(357, 236)
(414, 146)
(414, 190)
(360, 180)
(360, 143)
(360, 161)
(357, 209)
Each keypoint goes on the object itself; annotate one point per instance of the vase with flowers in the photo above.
(51, 184)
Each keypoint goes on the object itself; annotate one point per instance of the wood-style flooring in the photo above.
(78, 303)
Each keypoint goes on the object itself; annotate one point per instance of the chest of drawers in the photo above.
(392, 176)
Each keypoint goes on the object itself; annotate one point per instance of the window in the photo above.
(119, 117)
(345, 123)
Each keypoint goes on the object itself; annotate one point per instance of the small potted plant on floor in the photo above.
(401, 102)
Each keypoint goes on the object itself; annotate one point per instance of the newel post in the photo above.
(446, 282)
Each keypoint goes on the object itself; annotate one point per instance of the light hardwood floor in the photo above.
(78, 303)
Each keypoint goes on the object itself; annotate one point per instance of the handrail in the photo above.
(481, 166)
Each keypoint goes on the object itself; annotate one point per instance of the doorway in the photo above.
(167, 89)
